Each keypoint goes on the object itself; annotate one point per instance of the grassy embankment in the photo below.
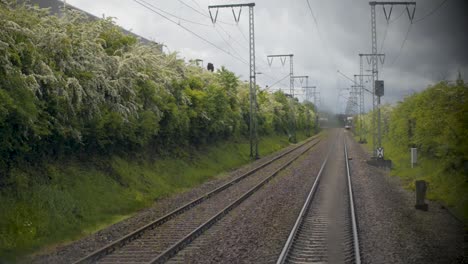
(95, 125)
(434, 121)
(83, 197)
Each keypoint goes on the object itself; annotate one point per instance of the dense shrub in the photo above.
(435, 121)
(69, 85)
(83, 108)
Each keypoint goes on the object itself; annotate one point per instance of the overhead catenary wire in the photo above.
(386, 33)
(229, 45)
(153, 9)
(431, 12)
(402, 45)
(201, 13)
(384, 37)
(175, 16)
(325, 47)
(397, 17)
(140, 2)
(312, 13)
(279, 81)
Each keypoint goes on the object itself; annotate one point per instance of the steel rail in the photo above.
(302, 213)
(111, 247)
(182, 243)
(357, 254)
(299, 222)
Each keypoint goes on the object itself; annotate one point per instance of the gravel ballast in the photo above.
(390, 229)
(257, 229)
(78, 249)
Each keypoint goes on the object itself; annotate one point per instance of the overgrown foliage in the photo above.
(435, 121)
(75, 91)
(70, 85)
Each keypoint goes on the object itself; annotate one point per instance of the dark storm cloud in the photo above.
(435, 48)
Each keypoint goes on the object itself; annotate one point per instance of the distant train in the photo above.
(348, 122)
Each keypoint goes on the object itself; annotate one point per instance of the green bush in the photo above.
(435, 121)
(95, 125)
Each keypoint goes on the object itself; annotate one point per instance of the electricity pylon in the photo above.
(375, 75)
(375, 103)
(361, 98)
(309, 94)
(283, 58)
(253, 134)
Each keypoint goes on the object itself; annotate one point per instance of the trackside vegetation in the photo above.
(435, 121)
(95, 125)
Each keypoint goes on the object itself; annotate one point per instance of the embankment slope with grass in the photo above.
(435, 121)
(95, 125)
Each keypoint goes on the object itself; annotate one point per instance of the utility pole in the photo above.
(377, 84)
(316, 103)
(308, 93)
(293, 119)
(283, 58)
(301, 79)
(361, 99)
(375, 102)
(253, 134)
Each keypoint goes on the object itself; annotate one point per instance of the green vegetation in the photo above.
(94, 125)
(436, 122)
(84, 196)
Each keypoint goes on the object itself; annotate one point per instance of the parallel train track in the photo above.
(161, 239)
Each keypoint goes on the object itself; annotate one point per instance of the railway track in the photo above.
(326, 229)
(161, 239)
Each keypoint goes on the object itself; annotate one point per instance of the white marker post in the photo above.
(414, 156)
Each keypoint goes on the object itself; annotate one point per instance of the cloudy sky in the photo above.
(435, 46)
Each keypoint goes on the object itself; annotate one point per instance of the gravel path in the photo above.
(256, 230)
(390, 229)
(75, 250)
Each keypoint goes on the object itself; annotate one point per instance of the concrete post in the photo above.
(414, 156)
(421, 187)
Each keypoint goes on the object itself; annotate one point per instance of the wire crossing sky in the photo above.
(324, 36)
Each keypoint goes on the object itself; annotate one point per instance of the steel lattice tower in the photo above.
(375, 72)
(253, 123)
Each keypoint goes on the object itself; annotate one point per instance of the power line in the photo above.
(279, 81)
(229, 44)
(384, 37)
(222, 28)
(205, 15)
(234, 39)
(396, 18)
(325, 47)
(180, 18)
(432, 12)
(187, 29)
(150, 7)
(312, 13)
(402, 45)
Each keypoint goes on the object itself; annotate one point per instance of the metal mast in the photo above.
(283, 58)
(253, 134)
(375, 74)
(370, 59)
(291, 68)
(308, 94)
(361, 98)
